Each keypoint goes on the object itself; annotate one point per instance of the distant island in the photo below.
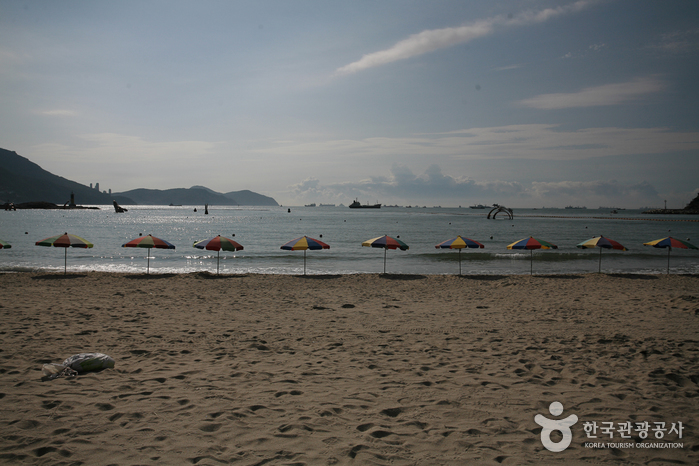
(690, 209)
(24, 184)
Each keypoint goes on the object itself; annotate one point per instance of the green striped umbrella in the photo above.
(65, 241)
(531, 243)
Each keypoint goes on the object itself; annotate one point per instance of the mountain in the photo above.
(693, 205)
(244, 197)
(177, 196)
(24, 181)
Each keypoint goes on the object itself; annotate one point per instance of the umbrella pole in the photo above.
(668, 260)
(304, 262)
(148, 256)
(218, 260)
(600, 261)
(384, 260)
(531, 262)
(459, 262)
(65, 262)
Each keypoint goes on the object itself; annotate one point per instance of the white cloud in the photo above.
(435, 187)
(607, 94)
(435, 39)
(534, 141)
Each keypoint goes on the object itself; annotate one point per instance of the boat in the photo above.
(327, 205)
(477, 206)
(356, 205)
(577, 207)
(310, 205)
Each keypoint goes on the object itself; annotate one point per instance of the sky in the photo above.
(529, 103)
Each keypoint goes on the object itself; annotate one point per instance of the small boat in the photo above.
(357, 205)
(310, 205)
(477, 206)
(577, 207)
(327, 205)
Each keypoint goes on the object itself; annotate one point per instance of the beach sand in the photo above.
(352, 369)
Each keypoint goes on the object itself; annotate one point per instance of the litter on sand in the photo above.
(77, 364)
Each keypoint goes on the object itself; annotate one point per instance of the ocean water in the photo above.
(262, 231)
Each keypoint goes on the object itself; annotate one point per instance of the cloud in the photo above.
(607, 94)
(404, 184)
(435, 187)
(530, 141)
(683, 42)
(586, 189)
(435, 39)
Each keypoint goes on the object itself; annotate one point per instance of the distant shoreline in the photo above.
(44, 205)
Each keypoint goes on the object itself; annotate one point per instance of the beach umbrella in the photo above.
(670, 243)
(602, 243)
(5, 245)
(531, 243)
(302, 244)
(459, 243)
(385, 242)
(149, 242)
(216, 244)
(65, 241)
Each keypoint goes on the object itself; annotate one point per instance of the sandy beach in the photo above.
(351, 369)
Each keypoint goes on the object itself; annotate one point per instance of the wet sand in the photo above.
(351, 369)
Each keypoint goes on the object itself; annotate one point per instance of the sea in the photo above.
(263, 230)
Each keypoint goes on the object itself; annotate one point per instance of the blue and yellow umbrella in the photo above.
(302, 244)
(602, 243)
(531, 243)
(670, 243)
(459, 243)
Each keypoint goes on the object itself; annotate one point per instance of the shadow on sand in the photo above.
(319, 277)
(59, 276)
(632, 276)
(213, 276)
(149, 276)
(400, 276)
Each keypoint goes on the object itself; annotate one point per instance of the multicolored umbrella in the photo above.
(216, 244)
(385, 242)
(459, 243)
(531, 243)
(670, 243)
(65, 241)
(5, 245)
(302, 244)
(602, 243)
(149, 242)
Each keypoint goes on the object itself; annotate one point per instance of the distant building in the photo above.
(97, 186)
